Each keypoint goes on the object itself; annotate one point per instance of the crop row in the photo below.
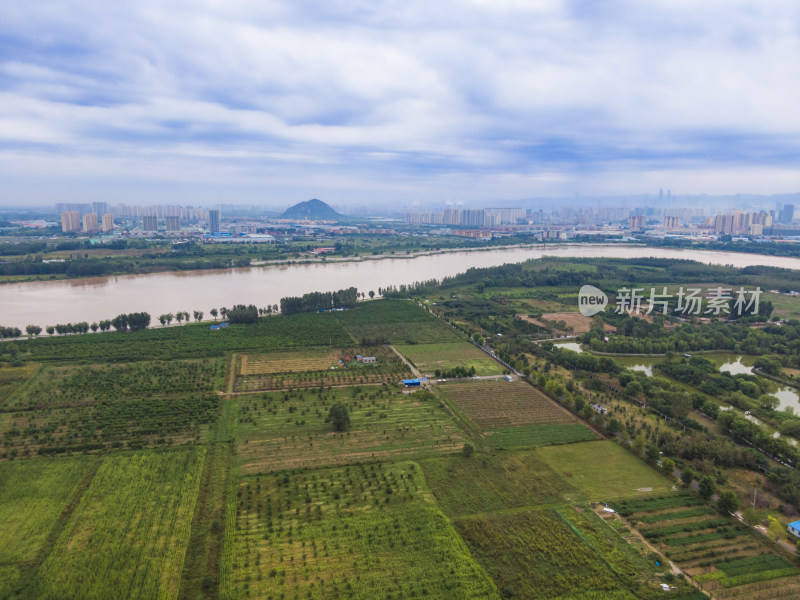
(492, 404)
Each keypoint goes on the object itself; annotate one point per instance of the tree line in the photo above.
(316, 301)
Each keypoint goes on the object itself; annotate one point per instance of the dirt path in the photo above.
(414, 369)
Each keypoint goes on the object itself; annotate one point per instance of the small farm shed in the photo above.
(794, 528)
(599, 409)
(411, 382)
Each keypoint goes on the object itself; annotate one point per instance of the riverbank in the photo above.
(91, 299)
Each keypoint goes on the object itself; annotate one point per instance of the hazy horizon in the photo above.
(398, 103)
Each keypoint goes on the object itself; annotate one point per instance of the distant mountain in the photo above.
(313, 210)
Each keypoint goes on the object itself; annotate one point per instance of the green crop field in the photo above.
(603, 470)
(127, 536)
(363, 532)
(77, 386)
(429, 358)
(541, 435)
(33, 494)
(194, 340)
(280, 430)
(482, 483)
(537, 554)
(395, 321)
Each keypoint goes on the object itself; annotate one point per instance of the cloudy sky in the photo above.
(405, 101)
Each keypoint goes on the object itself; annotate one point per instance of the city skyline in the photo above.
(473, 102)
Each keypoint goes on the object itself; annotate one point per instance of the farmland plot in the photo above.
(339, 367)
(541, 435)
(362, 532)
(149, 421)
(127, 537)
(430, 358)
(493, 482)
(495, 404)
(603, 470)
(536, 554)
(395, 321)
(11, 378)
(77, 386)
(195, 340)
(280, 430)
(33, 494)
(725, 558)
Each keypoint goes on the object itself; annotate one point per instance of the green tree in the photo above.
(687, 476)
(706, 487)
(214, 313)
(774, 529)
(668, 465)
(339, 416)
(198, 315)
(750, 516)
(468, 450)
(728, 503)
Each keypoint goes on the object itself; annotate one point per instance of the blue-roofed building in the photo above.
(794, 528)
(411, 382)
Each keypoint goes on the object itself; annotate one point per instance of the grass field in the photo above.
(541, 435)
(127, 537)
(396, 322)
(365, 531)
(429, 358)
(483, 483)
(280, 430)
(603, 470)
(496, 404)
(313, 368)
(33, 494)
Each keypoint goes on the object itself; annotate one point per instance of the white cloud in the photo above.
(510, 96)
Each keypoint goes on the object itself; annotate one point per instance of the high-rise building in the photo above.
(89, 222)
(637, 222)
(787, 214)
(108, 223)
(100, 208)
(213, 221)
(173, 223)
(70, 221)
(150, 223)
(672, 222)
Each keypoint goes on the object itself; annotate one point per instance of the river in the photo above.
(91, 299)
